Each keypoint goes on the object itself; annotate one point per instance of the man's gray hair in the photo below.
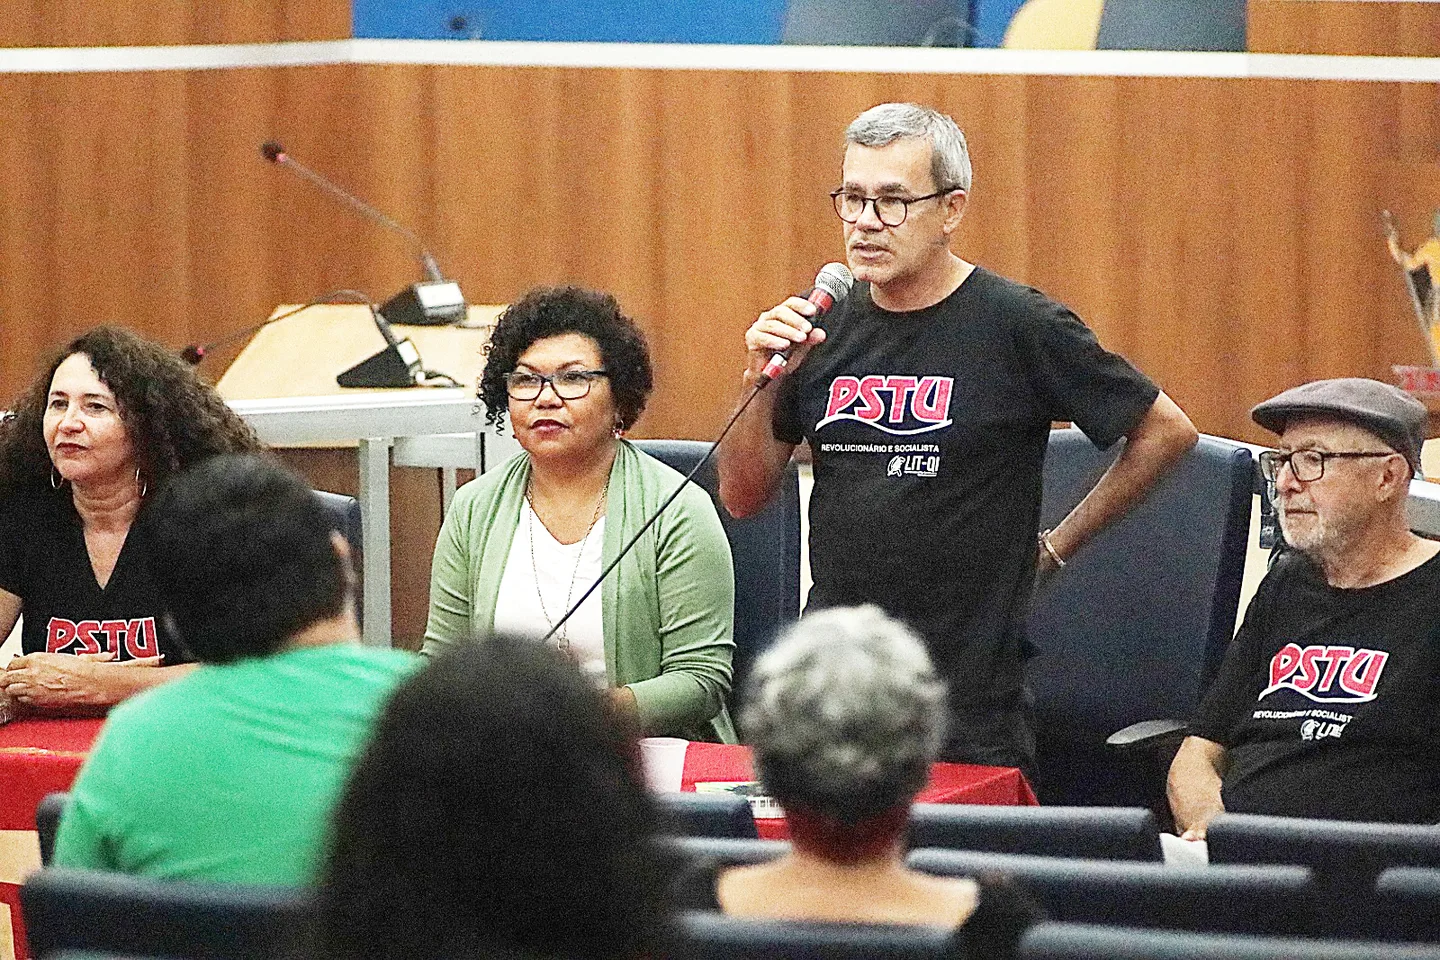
(883, 125)
(846, 714)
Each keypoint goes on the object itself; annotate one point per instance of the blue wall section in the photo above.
(642, 21)
(992, 17)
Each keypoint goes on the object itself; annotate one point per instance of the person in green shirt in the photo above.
(230, 773)
(524, 542)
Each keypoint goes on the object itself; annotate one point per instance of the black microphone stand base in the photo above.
(388, 368)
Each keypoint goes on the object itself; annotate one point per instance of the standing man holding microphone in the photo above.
(927, 401)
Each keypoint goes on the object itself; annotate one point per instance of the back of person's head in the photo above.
(846, 715)
(244, 556)
(497, 806)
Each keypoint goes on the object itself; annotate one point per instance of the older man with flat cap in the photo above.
(1326, 703)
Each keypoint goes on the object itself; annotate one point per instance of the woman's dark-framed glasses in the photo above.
(892, 211)
(567, 384)
(1309, 465)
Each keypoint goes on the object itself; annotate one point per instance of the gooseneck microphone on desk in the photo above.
(398, 365)
(194, 353)
(832, 285)
(433, 301)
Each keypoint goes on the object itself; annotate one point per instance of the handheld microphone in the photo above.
(431, 302)
(832, 285)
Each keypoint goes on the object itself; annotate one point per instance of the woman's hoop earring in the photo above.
(144, 485)
(56, 481)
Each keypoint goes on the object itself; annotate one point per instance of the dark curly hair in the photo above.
(172, 417)
(498, 806)
(553, 311)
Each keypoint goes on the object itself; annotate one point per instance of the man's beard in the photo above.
(1319, 533)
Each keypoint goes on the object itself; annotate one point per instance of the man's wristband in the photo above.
(1049, 548)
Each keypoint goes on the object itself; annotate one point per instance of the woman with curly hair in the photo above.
(495, 813)
(111, 420)
(523, 543)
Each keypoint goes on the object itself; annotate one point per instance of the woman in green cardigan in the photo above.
(525, 541)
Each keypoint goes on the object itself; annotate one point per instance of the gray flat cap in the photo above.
(1386, 411)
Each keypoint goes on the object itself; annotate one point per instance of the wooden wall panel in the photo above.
(1221, 233)
(87, 23)
(1395, 28)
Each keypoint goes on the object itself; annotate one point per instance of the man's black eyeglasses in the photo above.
(892, 211)
(567, 384)
(1309, 465)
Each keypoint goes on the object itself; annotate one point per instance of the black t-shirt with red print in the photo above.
(44, 562)
(1327, 700)
(928, 430)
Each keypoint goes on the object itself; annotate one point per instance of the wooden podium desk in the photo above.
(283, 385)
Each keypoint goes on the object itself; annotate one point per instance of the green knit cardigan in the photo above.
(667, 610)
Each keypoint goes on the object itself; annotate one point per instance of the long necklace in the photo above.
(564, 637)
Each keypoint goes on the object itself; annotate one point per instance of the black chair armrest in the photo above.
(1148, 735)
(47, 823)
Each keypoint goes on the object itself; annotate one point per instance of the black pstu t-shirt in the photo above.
(928, 430)
(44, 562)
(1327, 699)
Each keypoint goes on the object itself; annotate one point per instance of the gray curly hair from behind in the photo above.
(882, 125)
(845, 714)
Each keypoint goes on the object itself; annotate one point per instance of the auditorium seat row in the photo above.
(1123, 833)
(116, 915)
(1401, 904)
(1338, 853)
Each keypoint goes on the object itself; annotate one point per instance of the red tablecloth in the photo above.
(36, 757)
(949, 782)
(39, 757)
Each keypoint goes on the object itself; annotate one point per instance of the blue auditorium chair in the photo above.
(706, 815)
(1067, 941)
(692, 864)
(345, 517)
(726, 851)
(707, 935)
(1340, 852)
(117, 913)
(1231, 899)
(1409, 898)
(1106, 833)
(766, 550)
(1135, 626)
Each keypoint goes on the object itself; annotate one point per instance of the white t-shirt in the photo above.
(518, 608)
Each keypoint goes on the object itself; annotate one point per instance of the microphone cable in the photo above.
(760, 385)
